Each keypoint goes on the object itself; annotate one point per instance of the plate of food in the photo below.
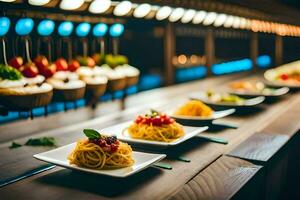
(287, 75)
(225, 99)
(155, 129)
(255, 88)
(100, 154)
(196, 112)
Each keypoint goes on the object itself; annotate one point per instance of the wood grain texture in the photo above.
(158, 184)
(259, 147)
(220, 180)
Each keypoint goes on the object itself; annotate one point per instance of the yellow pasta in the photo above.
(91, 155)
(163, 133)
(194, 108)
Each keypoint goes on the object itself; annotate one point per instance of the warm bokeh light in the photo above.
(210, 18)
(71, 4)
(163, 13)
(228, 22)
(99, 6)
(188, 16)
(243, 23)
(221, 18)
(142, 10)
(182, 59)
(236, 22)
(194, 59)
(123, 8)
(38, 2)
(199, 17)
(176, 14)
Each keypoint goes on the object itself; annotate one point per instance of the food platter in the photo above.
(255, 89)
(59, 157)
(284, 76)
(120, 130)
(203, 119)
(242, 103)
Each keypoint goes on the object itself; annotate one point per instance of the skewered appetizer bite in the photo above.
(120, 64)
(101, 152)
(117, 70)
(131, 73)
(67, 86)
(20, 93)
(155, 126)
(95, 81)
(66, 83)
(194, 108)
(105, 66)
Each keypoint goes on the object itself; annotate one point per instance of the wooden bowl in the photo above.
(26, 101)
(131, 80)
(116, 84)
(96, 90)
(69, 94)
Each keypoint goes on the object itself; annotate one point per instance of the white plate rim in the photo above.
(57, 162)
(221, 113)
(248, 102)
(278, 92)
(195, 132)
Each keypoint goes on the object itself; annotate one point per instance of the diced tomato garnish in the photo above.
(284, 76)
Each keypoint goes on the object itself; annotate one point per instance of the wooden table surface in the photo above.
(153, 183)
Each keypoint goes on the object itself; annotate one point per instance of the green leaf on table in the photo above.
(14, 145)
(92, 134)
(43, 141)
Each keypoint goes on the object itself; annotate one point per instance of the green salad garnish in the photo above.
(92, 134)
(42, 141)
(10, 73)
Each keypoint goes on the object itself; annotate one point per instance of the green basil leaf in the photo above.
(91, 134)
(44, 141)
(14, 145)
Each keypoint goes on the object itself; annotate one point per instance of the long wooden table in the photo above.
(153, 183)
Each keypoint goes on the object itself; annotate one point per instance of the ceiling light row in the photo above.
(124, 8)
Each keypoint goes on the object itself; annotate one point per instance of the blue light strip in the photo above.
(150, 81)
(190, 73)
(264, 61)
(232, 66)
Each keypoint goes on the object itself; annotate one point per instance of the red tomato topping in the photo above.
(155, 120)
(284, 76)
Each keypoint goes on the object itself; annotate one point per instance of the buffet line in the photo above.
(28, 83)
(108, 151)
(124, 149)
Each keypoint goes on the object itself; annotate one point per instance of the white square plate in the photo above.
(59, 157)
(121, 133)
(276, 92)
(215, 115)
(247, 103)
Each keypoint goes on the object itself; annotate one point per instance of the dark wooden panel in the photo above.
(259, 147)
(223, 179)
